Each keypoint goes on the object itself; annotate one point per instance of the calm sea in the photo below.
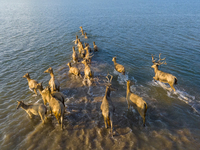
(35, 35)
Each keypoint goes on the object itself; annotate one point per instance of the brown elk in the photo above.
(86, 36)
(74, 55)
(95, 47)
(107, 106)
(34, 109)
(74, 70)
(58, 95)
(55, 106)
(136, 100)
(31, 83)
(87, 70)
(88, 56)
(118, 67)
(76, 41)
(163, 76)
(53, 82)
(81, 28)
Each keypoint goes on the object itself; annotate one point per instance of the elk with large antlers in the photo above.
(107, 106)
(163, 76)
(136, 100)
(118, 67)
(53, 82)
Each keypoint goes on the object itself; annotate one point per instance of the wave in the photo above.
(181, 95)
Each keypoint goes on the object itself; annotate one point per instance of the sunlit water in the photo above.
(37, 34)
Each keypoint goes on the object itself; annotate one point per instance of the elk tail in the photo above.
(145, 110)
(108, 120)
(175, 80)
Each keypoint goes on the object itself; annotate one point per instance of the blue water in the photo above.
(37, 34)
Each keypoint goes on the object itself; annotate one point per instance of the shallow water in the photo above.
(39, 34)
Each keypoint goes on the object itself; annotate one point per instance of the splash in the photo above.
(121, 78)
(181, 95)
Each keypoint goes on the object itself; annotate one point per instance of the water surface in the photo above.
(38, 34)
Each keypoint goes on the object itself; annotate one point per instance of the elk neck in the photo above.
(128, 87)
(156, 68)
(24, 106)
(107, 93)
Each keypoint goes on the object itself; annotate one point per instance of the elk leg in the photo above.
(30, 115)
(41, 117)
(35, 91)
(172, 87)
(105, 122)
(143, 121)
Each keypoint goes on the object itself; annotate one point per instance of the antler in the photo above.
(109, 80)
(153, 60)
(160, 63)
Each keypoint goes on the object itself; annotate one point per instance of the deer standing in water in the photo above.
(163, 76)
(118, 67)
(76, 41)
(53, 82)
(58, 95)
(138, 101)
(74, 70)
(95, 47)
(56, 106)
(34, 109)
(31, 83)
(107, 106)
(85, 36)
(74, 55)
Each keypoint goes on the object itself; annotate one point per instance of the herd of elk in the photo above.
(55, 98)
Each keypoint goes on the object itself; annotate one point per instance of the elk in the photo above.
(95, 47)
(33, 109)
(87, 45)
(82, 32)
(74, 70)
(107, 106)
(53, 82)
(31, 83)
(136, 100)
(58, 95)
(118, 67)
(74, 55)
(87, 70)
(81, 28)
(79, 43)
(55, 106)
(80, 48)
(85, 35)
(88, 56)
(76, 41)
(163, 76)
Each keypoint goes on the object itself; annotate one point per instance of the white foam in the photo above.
(121, 78)
(181, 95)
